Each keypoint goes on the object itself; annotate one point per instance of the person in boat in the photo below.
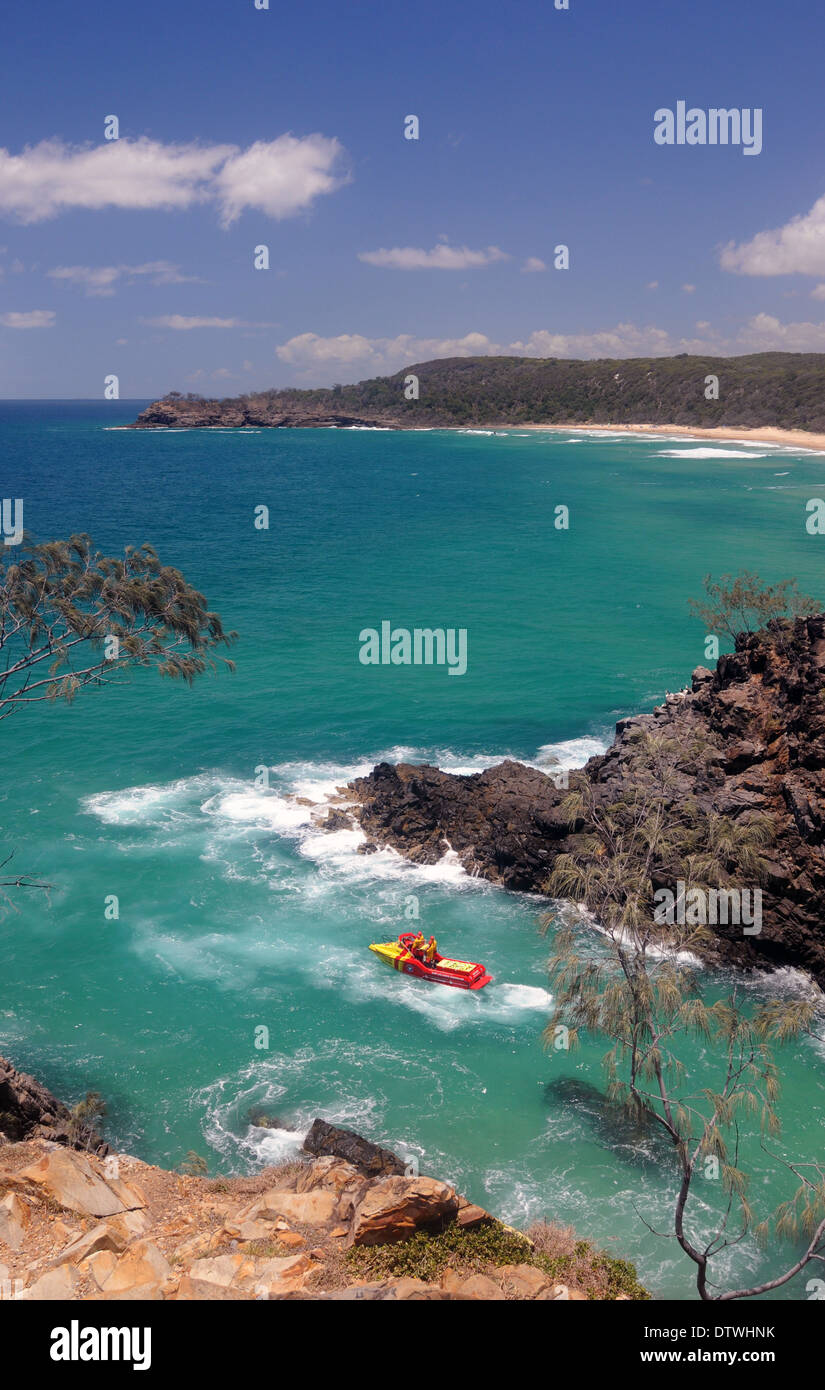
(418, 946)
(431, 951)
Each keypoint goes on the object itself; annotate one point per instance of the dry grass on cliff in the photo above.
(558, 1250)
(555, 1250)
(278, 1175)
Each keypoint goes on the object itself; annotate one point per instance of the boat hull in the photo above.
(458, 974)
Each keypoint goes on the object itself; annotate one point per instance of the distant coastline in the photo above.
(764, 398)
(764, 434)
(722, 434)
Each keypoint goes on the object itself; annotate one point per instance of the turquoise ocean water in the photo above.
(237, 913)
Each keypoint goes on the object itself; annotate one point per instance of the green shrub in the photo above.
(426, 1256)
(482, 1248)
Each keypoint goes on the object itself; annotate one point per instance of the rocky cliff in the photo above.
(759, 721)
(250, 412)
(29, 1111)
(343, 1222)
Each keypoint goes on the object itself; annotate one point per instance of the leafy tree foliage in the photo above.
(644, 999)
(761, 389)
(71, 617)
(85, 1116)
(743, 603)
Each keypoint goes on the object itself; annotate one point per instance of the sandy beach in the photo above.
(765, 434)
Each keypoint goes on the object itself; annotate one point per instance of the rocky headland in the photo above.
(779, 390)
(345, 1220)
(749, 740)
(191, 412)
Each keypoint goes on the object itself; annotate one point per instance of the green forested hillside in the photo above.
(778, 388)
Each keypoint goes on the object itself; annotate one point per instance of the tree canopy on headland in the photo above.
(779, 389)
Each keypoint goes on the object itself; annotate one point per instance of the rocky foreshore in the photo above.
(343, 1221)
(759, 719)
(29, 1111)
(245, 413)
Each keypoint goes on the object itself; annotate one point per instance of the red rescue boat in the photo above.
(461, 974)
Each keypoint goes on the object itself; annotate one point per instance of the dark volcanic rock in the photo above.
(368, 1158)
(29, 1111)
(504, 823)
(762, 717)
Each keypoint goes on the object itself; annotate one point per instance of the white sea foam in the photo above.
(520, 998)
(225, 811)
(258, 807)
(343, 1081)
(571, 753)
(788, 982)
(706, 454)
(447, 1009)
(145, 805)
(656, 952)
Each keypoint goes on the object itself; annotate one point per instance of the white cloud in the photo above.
(308, 351)
(441, 257)
(320, 358)
(765, 333)
(624, 340)
(219, 374)
(308, 348)
(652, 285)
(50, 177)
(280, 177)
(350, 355)
(101, 280)
(34, 318)
(312, 354)
(689, 289)
(533, 263)
(97, 280)
(184, 322)
(818, 292)
(796, 248)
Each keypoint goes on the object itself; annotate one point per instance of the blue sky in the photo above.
(285, 127)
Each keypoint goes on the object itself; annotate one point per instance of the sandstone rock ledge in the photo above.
(75, 1226)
